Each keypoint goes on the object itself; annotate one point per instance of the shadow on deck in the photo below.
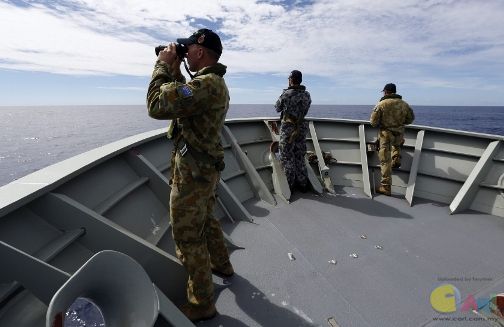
(399, 261)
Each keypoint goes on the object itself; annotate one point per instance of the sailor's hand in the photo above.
(274, 127)
(169, 54)
(175, 68)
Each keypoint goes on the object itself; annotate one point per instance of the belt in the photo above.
(193, 155)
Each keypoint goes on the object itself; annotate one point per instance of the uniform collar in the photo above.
(391, 96)
(297, 87)
(218, 69)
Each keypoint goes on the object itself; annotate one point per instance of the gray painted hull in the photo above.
(293, 259)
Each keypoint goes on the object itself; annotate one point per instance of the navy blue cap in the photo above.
(204, 37)
(390, 87)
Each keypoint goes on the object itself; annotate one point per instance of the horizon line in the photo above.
(240, 104)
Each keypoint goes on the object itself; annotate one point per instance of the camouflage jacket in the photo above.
(197, 108)
(392, 113)
(294, 103)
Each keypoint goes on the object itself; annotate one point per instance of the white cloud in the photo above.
(345, 40)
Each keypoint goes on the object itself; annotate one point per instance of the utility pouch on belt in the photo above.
(296, 122)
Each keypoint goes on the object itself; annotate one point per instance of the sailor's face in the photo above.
(194, 53)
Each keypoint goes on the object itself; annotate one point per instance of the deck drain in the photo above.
(332, 322)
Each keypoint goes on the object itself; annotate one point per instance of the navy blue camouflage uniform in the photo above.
(294, 104)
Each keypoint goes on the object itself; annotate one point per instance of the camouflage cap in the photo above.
(204, 37)
(390, 87)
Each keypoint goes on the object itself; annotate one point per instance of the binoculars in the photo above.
(181, 50)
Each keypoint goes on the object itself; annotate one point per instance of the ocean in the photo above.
(36, 137)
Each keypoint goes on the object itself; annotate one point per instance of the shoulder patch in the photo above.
(184, 91)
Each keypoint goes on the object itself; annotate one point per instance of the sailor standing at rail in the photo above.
(197, 109)
(390, 114)
(294, 104)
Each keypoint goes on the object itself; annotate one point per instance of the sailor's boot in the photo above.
(303, 188)
(198, 313)
(384, 189)
(225, 270)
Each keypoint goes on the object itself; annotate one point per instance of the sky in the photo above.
(95, 52)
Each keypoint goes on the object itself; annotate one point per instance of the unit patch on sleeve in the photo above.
(184, 91)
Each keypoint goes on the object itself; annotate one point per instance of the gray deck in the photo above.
(389, 287)
(115, 198)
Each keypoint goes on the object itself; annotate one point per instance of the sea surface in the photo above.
(35, 137)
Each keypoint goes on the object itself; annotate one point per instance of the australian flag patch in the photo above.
(184, 91)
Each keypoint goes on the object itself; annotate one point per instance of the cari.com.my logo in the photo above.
(447, 299)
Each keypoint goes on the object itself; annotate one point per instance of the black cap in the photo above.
(390, 87)
(204, 37)
(296, 76)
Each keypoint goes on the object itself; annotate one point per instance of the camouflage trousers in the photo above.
(390, 153)
(292, 154)
(199, 241)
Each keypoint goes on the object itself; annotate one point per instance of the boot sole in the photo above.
(221, 274)
(204, 318)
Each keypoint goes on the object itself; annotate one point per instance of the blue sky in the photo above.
(438, 52)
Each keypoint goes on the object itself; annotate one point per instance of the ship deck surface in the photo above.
(422, 247)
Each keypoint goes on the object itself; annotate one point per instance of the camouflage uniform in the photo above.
(294, 104)
(197, 110)
(390, 114)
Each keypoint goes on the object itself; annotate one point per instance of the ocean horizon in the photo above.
(34, 137)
